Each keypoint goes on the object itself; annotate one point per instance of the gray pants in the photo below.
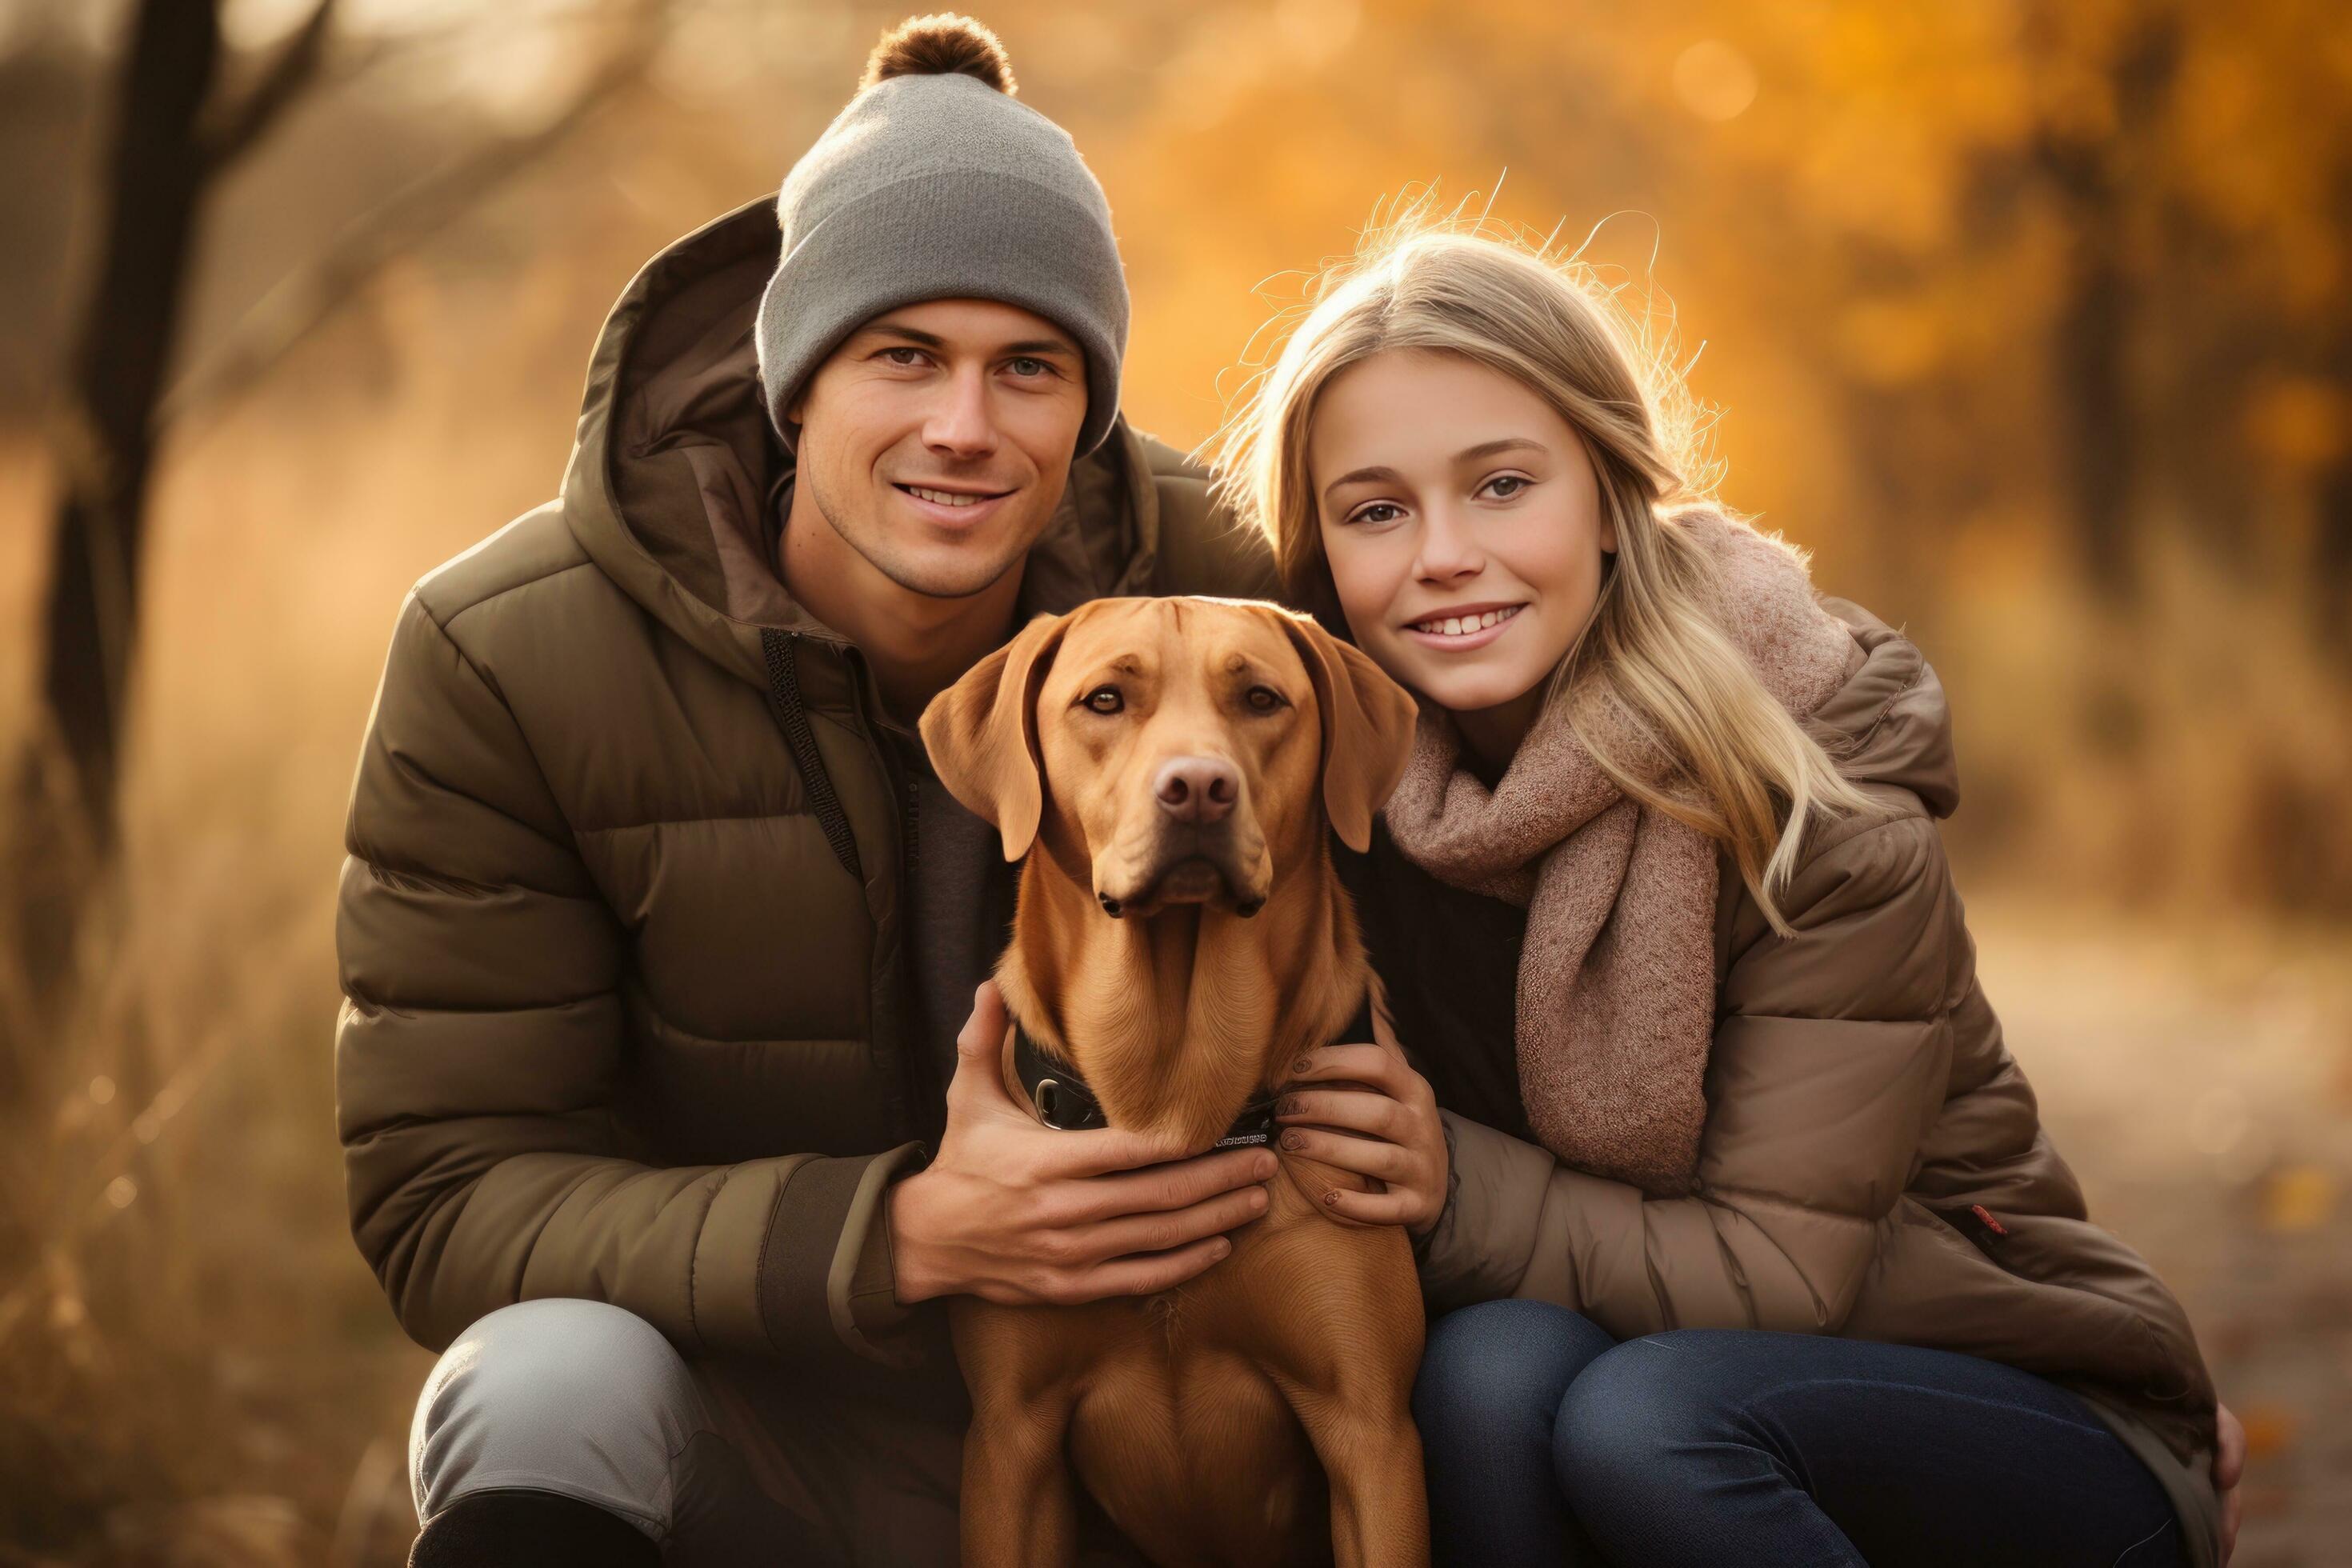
(718, 1462)
(589, 1401)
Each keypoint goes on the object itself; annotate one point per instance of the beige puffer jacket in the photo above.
(1873, 1162)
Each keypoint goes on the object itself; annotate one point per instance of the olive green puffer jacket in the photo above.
(620, 930)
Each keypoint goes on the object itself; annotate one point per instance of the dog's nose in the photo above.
(1196, 789)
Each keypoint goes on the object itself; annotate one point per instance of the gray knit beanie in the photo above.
(935, 184)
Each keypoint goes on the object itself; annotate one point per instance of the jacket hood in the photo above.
(1889, 722)
(676, 465)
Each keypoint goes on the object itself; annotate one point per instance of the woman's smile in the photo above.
(1460, 630)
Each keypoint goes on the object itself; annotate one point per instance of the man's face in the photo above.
(937, 439)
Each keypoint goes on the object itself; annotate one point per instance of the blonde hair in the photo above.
(1653, 649)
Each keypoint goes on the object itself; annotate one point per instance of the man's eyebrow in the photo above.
(899, 330)
(915, 335)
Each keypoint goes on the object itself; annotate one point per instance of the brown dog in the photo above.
(1181, 938)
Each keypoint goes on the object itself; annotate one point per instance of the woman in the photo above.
(1748, 1240)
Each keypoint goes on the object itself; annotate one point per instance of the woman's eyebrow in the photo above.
(1358, 477)
(1483, 450)
(1486, 450)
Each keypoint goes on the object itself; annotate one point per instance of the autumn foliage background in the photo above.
(2032, 321)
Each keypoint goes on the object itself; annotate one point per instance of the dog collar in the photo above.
(1062, 1099)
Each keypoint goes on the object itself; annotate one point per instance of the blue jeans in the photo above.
(1547, 1441)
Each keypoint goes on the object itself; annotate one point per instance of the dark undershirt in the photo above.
(959, 909)
(1450, 960)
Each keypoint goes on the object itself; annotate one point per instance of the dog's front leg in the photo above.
(1371, 1456)
(1345, 1353)
(1020, 1502)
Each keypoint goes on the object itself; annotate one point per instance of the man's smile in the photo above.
(949, 496)
(954, 506)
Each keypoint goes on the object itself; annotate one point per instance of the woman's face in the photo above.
(1463, 522)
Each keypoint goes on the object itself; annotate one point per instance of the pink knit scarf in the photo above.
(1616, 993)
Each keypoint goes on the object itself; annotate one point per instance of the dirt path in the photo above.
(2201, 1087)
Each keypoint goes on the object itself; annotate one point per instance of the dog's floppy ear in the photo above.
(1367, 728)
(981, 733)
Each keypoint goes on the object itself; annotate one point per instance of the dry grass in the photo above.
(195, 1367)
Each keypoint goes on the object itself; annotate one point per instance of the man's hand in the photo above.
(1379, 1118)
(2229, 1470)
(1017, 1211)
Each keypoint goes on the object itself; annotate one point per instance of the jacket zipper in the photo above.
(784, 702)
(913, 1059)
(781, 648)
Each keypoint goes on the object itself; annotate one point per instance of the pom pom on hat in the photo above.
(942, 44)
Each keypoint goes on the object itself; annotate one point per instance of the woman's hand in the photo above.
(2229, 1470)
(1386, 1120)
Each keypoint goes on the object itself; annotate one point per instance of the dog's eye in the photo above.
(1265, 698)
(1105, 699)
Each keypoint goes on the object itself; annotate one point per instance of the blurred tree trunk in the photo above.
(103, 450)
(2332, 498)
(2333, 583)
(176, 131)
(155, 181)
(2093, 169)
(173, 133)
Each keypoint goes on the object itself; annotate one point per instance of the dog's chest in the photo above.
(1184, 1433)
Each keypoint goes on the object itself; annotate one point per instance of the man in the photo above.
(657, 932)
